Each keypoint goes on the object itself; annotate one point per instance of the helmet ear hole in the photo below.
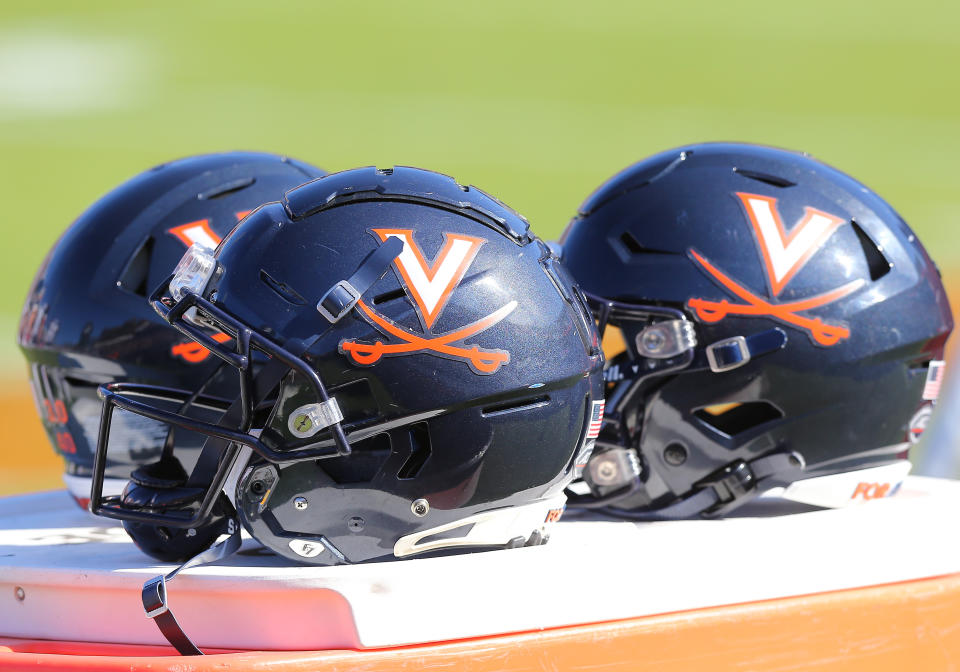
(361, 466)
(420, 450)
(735, 418)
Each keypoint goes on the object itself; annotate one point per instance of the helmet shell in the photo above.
(745, 239)
(466, 375)
(86, 319)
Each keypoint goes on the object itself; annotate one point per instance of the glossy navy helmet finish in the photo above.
(814, 314)
(433, 369)
(87, 321)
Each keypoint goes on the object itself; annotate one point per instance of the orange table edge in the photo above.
(911, 625)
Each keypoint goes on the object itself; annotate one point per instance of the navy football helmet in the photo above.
(87, 321)
(779, 326)
(430, 377)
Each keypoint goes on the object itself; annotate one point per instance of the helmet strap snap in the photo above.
(154, 593)
(732, 353)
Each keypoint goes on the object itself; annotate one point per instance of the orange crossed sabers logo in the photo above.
(821, 332)
(450, 344)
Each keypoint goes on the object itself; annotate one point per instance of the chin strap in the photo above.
(732, 353)
(726, 489)
(723, 490)
(154, 593)
(343, 296)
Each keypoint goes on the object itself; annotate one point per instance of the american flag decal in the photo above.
(596, 419)
(934, 377)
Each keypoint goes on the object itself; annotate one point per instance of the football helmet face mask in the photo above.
(86, 319)
(777, 322)
(434, 370)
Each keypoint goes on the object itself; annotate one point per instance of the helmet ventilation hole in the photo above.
(631, 243)
(766, 178)
(634, 246)
(388, 296)
(226, 189)
(878, 264)
(516, 405)
(134, 276)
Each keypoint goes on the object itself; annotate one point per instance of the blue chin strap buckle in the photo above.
(732, 353)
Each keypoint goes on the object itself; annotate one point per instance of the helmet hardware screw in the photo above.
(257, 487)
(300, 503)
(653, 340)
(420, 508)
(355, 524)
(302, 422)
(675, 454)
(607, 471)
(19, 593)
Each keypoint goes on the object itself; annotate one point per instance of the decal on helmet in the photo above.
(867, 491)
(56, 414)
(583, 457)
(196, 232)
(65, 443)
(596, 420)
(200, 231)
(614, 373)
(306, 548)
(849, 487)
(934, 379)
(193, 352)
(783, 256)
(429, 288)
(554, 515)
(918, 423)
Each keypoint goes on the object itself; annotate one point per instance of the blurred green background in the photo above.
(536, 102)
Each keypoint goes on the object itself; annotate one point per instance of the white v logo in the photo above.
(200, 231)
(430, 285)
(784, 254)
(196, 232)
